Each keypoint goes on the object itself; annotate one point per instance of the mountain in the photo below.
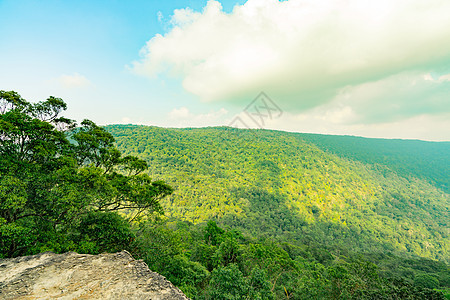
(346, 193)
(429, 161)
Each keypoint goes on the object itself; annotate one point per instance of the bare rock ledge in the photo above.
(82, 276)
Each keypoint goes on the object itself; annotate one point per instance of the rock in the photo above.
(82, 276)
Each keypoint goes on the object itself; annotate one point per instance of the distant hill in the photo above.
(425, 160)
(367, 195)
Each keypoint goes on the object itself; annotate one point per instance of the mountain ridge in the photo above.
(231, 174)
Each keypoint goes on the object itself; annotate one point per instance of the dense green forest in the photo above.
(424, 160)
(269, 183)
(224, 213)
(284, 188)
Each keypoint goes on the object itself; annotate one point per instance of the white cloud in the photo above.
(160, 16)
(73, 81)
(126, 120)
(179, 113)
(396, 97)
(185, 118)
(428, 77)
(444, 77)
(303, 53)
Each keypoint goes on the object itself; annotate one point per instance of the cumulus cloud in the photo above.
(308, 53)
(399, 96)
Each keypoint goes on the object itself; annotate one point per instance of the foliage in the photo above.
(60, 186)
(275, 184)
(426, 160)
(266, 269)
(105, 231)
(426, 281)
(317, 224)
(190, 276)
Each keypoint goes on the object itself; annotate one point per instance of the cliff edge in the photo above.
(82, 276)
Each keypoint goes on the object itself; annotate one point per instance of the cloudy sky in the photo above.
(354, 67)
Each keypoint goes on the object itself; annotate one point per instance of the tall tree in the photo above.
(54, 175)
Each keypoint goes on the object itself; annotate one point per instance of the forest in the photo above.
(228, 213)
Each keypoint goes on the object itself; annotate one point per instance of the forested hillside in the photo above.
(296, 220)
(269, 183)
(425, 160)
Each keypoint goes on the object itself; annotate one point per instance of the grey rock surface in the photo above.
(82, 276)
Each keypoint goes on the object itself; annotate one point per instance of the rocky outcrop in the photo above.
(82, 276)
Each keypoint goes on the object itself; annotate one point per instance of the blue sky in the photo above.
(339, 67)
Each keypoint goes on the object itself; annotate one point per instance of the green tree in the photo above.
(213, 233)
(228, 283)
(105, 231)
(426, 281)
(228, 252)
(259, 285)
(55, 177)
(188, 275)
(158, 245)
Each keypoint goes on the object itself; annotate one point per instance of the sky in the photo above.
(347, 67)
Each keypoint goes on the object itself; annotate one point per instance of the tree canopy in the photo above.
(273, 183)
(60, 182)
